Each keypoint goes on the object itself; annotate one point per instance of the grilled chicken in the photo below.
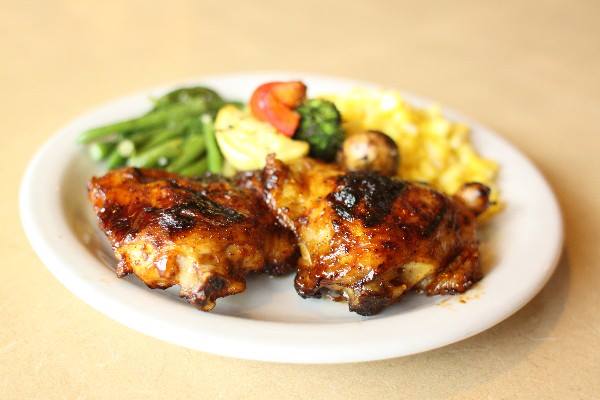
(205, 236)
(371, 238)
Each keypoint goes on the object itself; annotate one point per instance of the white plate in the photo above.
(270, 321)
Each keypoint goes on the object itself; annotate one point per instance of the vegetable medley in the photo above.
(194, 130)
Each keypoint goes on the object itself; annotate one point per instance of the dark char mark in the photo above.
(365, 195)
(435, 221)
(183, 216)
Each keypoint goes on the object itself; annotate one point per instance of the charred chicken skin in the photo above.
(204, 236)
(371, 238)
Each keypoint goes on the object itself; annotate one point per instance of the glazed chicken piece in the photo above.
(205, 236)
(371, 238)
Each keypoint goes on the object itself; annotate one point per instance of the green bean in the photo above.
(126, 148)
(140, 137)
(150, 157)
(195, 169)
(162, 162)
(161, 136)
(193, 147)
(184, 95)
(213, 154)
(115, 160)
(130, 142)
(100, 150)
(154, 119)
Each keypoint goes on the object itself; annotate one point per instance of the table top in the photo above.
(527, 69)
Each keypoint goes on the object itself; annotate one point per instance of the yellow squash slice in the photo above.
(245, 141)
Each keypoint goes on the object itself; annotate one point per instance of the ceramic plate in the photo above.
(269, 321)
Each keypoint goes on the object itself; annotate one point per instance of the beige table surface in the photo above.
(530, 70)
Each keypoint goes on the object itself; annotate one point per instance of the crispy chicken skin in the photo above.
(371, 238)
(204, 235)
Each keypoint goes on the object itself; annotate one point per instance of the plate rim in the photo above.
(50, 259)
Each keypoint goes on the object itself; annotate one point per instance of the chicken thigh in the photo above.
(203, 235)
(370, 238)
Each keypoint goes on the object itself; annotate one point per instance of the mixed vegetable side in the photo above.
(193, 130)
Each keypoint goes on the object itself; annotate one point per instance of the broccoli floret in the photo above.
(320, 126)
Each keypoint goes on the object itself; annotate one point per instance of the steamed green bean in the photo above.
(213, 154)
(174, 112)
(193, 147)
(177, 134)
(150, 157)
(100, 150)
(115, 160)
(195, 169)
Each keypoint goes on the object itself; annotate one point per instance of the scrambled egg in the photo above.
(432, 148)
(245, 141)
